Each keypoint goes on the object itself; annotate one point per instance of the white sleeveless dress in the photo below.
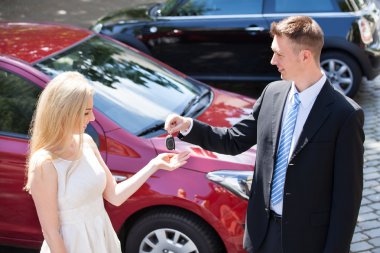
(85, 225)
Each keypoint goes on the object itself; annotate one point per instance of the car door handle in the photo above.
(254, 29)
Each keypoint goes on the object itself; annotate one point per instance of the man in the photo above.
(308, 179)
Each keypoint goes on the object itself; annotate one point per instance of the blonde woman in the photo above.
(67, 177)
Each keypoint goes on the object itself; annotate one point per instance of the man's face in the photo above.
(286, 57)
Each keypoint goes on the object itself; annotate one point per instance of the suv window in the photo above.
(296, 6)
(217, 7)
(18, 99)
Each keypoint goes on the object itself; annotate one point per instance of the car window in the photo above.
(18, 98)
(215, 7)
(133, 91)
(297, 6)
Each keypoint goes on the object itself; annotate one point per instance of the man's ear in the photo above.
(306, 55)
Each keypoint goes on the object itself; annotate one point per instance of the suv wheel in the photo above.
(342, 71)
(170, 231)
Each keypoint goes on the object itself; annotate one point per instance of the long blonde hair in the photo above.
(59, 114)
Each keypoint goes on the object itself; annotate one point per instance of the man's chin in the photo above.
(283, 77)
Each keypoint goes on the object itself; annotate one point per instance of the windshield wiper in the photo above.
(160, 126)
(152, 129)
(190, 104)
(194, 101)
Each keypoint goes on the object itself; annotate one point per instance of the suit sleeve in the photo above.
(231, 141)
(348, 184)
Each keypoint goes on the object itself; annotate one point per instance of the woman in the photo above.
(67, 176)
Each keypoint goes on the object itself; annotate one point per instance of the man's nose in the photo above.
(273, 61)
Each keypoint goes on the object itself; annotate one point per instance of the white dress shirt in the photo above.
(307, 98)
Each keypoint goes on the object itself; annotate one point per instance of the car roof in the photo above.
(32, 42)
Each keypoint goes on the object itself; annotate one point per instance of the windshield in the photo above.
(131, 90)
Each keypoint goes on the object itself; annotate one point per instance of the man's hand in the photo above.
(175, 123)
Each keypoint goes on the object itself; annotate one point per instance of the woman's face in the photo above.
(88, 114)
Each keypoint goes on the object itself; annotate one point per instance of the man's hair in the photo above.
(303, 31)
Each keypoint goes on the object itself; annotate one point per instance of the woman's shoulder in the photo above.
(87, 140)
(41, 171)
(41, 158)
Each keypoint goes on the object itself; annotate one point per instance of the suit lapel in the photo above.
(279, 100)
(318, 114)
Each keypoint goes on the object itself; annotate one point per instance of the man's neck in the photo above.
(308, 79)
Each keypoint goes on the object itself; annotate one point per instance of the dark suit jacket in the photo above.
(324, 179)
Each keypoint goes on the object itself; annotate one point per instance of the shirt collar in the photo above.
(308, 96)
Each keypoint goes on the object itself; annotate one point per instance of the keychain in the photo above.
(170, 143)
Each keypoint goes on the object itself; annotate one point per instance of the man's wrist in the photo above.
(188, 129)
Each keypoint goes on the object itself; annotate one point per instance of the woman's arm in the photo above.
(44, 190)
(117, 194)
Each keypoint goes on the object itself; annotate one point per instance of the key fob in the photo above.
(170, 143)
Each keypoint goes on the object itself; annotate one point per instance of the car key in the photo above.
(170, 143)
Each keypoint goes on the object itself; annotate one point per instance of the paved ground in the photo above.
(84, 12)
(367, 233)
(76, 12)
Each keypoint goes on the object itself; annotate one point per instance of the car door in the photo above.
(19, 91)
(18, 96)
(215, 40)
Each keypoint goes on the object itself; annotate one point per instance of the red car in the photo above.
(197, 208)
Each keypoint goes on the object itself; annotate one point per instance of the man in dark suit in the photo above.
(308, 179)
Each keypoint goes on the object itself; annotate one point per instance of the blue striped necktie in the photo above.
(283, 152)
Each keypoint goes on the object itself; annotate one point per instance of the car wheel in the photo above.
(170, 231)
(342, 71)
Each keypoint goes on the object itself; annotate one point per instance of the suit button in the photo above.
(288, 193)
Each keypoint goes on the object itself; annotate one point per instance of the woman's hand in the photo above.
(170, 161)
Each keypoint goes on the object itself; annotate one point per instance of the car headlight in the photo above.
(237, 182)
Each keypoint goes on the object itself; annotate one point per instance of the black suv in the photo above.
(224, 40)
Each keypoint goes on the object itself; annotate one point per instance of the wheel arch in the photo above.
(132, 219)
(349, 49)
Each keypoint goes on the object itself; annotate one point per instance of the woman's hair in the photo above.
(303, 31)
(58, 116)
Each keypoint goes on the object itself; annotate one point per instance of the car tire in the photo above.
(167, 230)
(343, 72)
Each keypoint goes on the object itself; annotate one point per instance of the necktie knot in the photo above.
(296, 99)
